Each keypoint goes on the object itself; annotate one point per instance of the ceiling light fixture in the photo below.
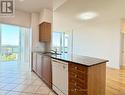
(87, 15)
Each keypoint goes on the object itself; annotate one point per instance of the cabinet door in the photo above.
(45, 32)
(34, 62)
(47, 70)
(39, 65)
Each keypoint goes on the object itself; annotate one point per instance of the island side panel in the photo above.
(97, 79)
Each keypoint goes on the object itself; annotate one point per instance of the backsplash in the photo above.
(39, 47)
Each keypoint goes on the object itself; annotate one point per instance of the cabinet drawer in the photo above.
(77, 91)
(78, 83)
(78, 79)
(77, 68)
(78, 75)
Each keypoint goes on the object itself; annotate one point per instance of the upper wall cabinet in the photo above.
(45, 32)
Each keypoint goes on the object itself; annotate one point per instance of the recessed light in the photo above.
(87, 15)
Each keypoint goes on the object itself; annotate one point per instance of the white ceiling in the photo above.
(33, 5)
(58, 3)
(66, 16)
(107, 9)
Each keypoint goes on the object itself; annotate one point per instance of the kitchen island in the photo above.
(76, 75)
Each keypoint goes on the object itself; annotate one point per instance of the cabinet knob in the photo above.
(76, 68)
(75, 84)
(75, 76)
(75, 89)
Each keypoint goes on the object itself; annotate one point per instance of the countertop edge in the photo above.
(80, 63)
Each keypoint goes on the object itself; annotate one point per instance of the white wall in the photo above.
(95, 38)
(100, 40)
(20, 19)
(36, 18)
(36, 45)
(46, 16)
(122, 49)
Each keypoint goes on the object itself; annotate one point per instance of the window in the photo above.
(61, 42)
(66, 42)
(57, 41)
(10, 42)
(15, 42)
(10, 35)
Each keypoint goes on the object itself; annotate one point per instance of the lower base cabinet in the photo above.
(70, 78)
(47, 70)
(87, 80)
(76, 79)
(41, 65)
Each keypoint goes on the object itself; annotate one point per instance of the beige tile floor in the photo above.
(17, 79)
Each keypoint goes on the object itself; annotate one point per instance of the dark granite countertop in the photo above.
(77, 59)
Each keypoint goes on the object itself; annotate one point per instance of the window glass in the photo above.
(60, 42)
(9, 35)
(56, 41)
(66, 42)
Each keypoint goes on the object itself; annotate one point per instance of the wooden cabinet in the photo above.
(47, 70)
(37, 63)
(45, 32)
(41, 65)
(83, 80)
(97, 79)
